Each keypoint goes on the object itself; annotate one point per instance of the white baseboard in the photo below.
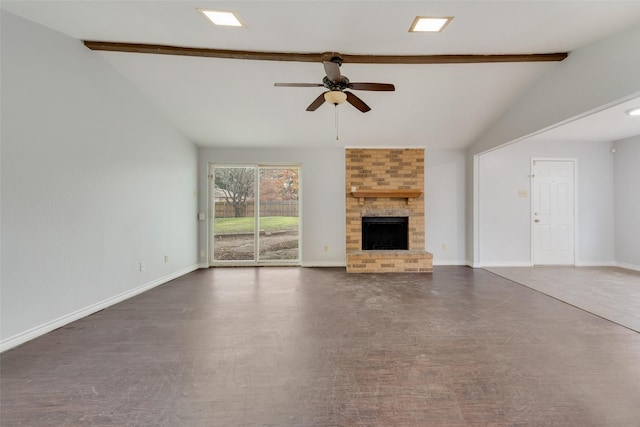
(627, 266)
(503, 264)
(595, 264)
(40, 330)
(323, 264)
(454, 262)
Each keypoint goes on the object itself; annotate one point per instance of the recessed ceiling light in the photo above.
(431, 24)
(634, 112)
(222, 17)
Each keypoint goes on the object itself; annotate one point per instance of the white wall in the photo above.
(323, 199)
(445, 183)
(93, 182)
(627, 202)
(504, 216)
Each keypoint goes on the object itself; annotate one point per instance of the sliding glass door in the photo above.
(255, 215)
(233, 213)
(278, 219)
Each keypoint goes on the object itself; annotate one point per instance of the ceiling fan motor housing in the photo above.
(331, 85)
(337, 60)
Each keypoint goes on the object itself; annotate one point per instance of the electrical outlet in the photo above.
(142, 266)
(444, 247)
(166, 259)
(202, 254)
(326, 248)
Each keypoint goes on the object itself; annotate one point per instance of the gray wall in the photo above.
(505, 218)
(627, 202)
(94, 181)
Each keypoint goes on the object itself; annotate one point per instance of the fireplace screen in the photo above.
(385, 233)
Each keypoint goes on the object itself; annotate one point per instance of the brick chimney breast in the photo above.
(386, 182)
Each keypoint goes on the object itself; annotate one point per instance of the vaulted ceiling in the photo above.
(233, 102)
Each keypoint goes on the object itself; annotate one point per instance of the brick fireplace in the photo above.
(386, 183)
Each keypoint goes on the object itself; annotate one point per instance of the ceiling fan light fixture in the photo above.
(634, 112)
(335, 97)
(222, 17)
(429, 24)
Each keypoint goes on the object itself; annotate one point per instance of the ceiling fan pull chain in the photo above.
(336, 107)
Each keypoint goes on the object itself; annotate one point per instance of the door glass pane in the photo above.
(279, 215)
(234, 220)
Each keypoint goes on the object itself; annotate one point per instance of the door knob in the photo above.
(536, 220)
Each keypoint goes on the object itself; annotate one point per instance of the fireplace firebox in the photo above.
(385, 233)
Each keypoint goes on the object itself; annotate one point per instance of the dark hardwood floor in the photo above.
(319, 347)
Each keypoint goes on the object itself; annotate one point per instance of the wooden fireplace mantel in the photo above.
(398, 194)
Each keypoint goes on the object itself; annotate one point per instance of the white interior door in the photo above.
(553, 212)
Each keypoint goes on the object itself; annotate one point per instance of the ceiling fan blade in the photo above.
(333, 71)
(357, 102)
(372, 86)
(298, 84)
(316, 102)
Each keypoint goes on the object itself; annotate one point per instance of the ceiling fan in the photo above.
(336, 84)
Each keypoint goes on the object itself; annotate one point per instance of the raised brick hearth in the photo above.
(386, 183)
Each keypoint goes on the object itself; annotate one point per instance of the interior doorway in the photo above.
(553, 211)
(255, 214)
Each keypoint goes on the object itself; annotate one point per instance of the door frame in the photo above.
(533, 194)
(211, 216)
